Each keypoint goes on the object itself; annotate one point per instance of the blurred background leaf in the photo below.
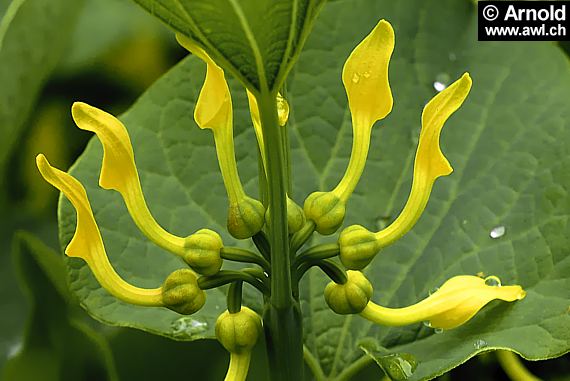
(33, 36)
(56, 346)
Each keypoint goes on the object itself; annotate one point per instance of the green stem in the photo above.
(228, 276)
(314, 365)
(282, 315)
(241, 255)
(514, 367)
(318, 252)
(349, 372)
(234, 297)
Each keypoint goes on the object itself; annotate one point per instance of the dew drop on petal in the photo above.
(438, 330)
(480, 344)
(355, 78)
(427, 323)
(493, 281)
(497, 232)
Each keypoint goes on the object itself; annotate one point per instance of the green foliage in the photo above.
(258, 50)
(33, 35)
(508, 145)
(56, 346)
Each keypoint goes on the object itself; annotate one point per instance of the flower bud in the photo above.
(351, 297)
(295, 216)
(245, 218)
(326, 210)
(202, 251)
(181, 293)
(358, 247)
(238, 332)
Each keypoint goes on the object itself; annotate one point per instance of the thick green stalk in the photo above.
(282, 315)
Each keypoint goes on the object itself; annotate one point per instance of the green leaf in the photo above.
(258, 50)
(56, 346)
(33, 36)
(508, 146)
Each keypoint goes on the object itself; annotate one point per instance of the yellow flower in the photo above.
(214, 111)
(365, 78)
(119, 172)
(430, 164)
(453, 304)
(88, 244)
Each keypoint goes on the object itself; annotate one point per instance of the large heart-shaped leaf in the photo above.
(255, 39)
(508, 145)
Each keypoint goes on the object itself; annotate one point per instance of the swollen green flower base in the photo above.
(277, 226)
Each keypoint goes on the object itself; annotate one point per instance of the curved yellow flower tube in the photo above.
(119, 172)
(453, 304)
(282, 115)
(239, 366)
(430, 163)
(214, 111)
(365, 78)
(88, 244)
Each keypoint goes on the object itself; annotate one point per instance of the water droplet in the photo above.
(282, 110)
(438, 330)
(427, 323)
(399, 366)
(493, 281)
(355, 78)
(366, 74)
(452, 56)
(497, 232)
(187, 326)
(441, 82)
(266, 274)
(480, 344)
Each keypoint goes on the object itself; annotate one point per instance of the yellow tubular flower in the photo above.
(365, 78)
(295, 217)
(282, 115)
(239, 366)
(119, 172)
(453, 304)
(88, 244)
(430, 163)
(214, 111)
